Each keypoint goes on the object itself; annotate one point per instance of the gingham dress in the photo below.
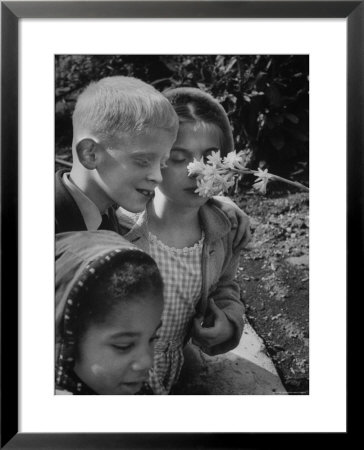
(181, 272)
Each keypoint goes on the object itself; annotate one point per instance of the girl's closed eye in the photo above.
(206, 154)
(123, 347)
(178, 156)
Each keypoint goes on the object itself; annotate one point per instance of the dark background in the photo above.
(266, 98)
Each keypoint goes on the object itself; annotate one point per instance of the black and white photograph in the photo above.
(181, 215)
(182, 224)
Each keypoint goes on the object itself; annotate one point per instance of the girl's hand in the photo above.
(238, 219)
(221, 329)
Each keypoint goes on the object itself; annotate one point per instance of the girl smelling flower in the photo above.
(191, 240)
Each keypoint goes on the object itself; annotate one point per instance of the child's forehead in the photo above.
(117, 139)
(141, 140)
(125, 313)
(208, 129)
(200, 125)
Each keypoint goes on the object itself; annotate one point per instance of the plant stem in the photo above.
(245, 171)
(293, 183)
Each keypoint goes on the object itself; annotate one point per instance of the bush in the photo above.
(265, 96)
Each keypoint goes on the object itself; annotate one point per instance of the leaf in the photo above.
(230, 65)
(300, 135)
(278, 119)
(219, 60)
(277, 141)
(274, 95)
(292, 118)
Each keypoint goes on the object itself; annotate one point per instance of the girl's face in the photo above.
(194, 140)
(114, 357)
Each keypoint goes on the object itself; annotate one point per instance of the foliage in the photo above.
(265, 96)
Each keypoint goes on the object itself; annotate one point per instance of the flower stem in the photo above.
(246, 171)
(293, 183)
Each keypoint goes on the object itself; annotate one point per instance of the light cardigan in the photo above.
(219, 265)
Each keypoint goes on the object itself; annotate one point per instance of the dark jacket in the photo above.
(67, 213)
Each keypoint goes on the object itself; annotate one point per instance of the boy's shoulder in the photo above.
(68, 216)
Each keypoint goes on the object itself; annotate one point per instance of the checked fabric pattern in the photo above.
(182, 276)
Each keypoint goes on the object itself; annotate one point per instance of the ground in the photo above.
(274, 279)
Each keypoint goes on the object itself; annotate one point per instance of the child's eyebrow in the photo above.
(148, 155)
(138, 153)
(185, 150)
(125, 334)
(180, 149)
(132, 333)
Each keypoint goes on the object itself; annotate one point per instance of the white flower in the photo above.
(224, 181)
(196, 167)
(210, 171)
(205, 187)
(218, 175)
(214, 158)
(213, 183)
(262, 174)
(261, 185)
(214, 177)
(262, 180)
(231, 159)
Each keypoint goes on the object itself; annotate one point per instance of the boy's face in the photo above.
(193, 141)
(130, 169)
(114, 357)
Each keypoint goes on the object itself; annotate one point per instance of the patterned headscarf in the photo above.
(81, 257)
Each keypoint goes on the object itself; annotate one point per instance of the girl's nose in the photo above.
(144, 362)
(155, 174)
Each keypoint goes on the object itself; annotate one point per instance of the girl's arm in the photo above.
(238, 219)
(226, 297)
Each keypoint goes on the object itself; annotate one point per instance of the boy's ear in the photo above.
(87, 152)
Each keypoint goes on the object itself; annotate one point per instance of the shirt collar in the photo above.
(90, 212)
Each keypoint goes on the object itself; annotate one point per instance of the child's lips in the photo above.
(133, 386)
(149, 193)
(191, 189)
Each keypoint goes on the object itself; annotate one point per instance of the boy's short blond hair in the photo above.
(117, 106)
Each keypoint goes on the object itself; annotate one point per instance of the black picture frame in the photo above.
(11, 12)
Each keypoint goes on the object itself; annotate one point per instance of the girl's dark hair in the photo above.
(194, 105)
(136, 274)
